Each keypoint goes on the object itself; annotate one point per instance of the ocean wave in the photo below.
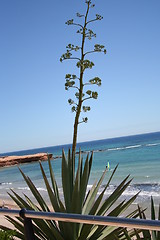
(115, 149)
(42, 189)
(6, 183)
(145, 190)
(152, 144)
(119, 148)
(23, 188)
(134, 146)
(147, 185)
(127, 147)
(27, 188)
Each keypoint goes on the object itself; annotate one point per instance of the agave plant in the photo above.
(150, 235)
(77, 199)
(145, 234)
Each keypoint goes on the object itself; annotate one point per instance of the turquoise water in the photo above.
(137, 155)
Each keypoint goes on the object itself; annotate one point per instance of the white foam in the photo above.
(27, 188)
(152, 144)
(115, 149)
(134, 146)
(41, 189)
(7, 183)
(23, 188)
(148, 194)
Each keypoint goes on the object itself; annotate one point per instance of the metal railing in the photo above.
(28, 215)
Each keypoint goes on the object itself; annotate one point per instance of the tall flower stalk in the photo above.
(82, 63)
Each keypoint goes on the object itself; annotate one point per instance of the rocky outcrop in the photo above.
(14, 160)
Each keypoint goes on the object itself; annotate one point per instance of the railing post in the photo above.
(28, 226)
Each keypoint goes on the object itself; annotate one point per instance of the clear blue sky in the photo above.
(33, 103)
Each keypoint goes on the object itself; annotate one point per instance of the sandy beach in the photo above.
(11, 205)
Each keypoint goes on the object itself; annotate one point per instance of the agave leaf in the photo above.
(42, 229)
(66, 183)
(84, 180)
(140, 212)
(76, 197)
(79, 169)
(102, 194)
(71, 170)
(55, 187)
(105, 231)
(115, 212)
(35, 192)
(137, 234)
(132, 233)
(84, 183)
(54, 203)
(116, 238)
(76, 204)
(47, 228)
(127, 204)
(100, 197)
(31, 204)
(90, 163)
(112, 175)
(18, 225)
(133, 214)
(22, 201)
(119, 234)
(121, 208)
(52, 231)
(53, 199)
(91, 205)
(153, 217)
(54, 184)
(146, 233)
(85, 229)
(17, 201)
(90, 199)
(114, 196)
(158, 232)
(126, 234)
(67, 188)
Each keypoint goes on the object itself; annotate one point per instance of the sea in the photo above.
(137, 156)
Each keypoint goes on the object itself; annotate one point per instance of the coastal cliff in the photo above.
(14, 160)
